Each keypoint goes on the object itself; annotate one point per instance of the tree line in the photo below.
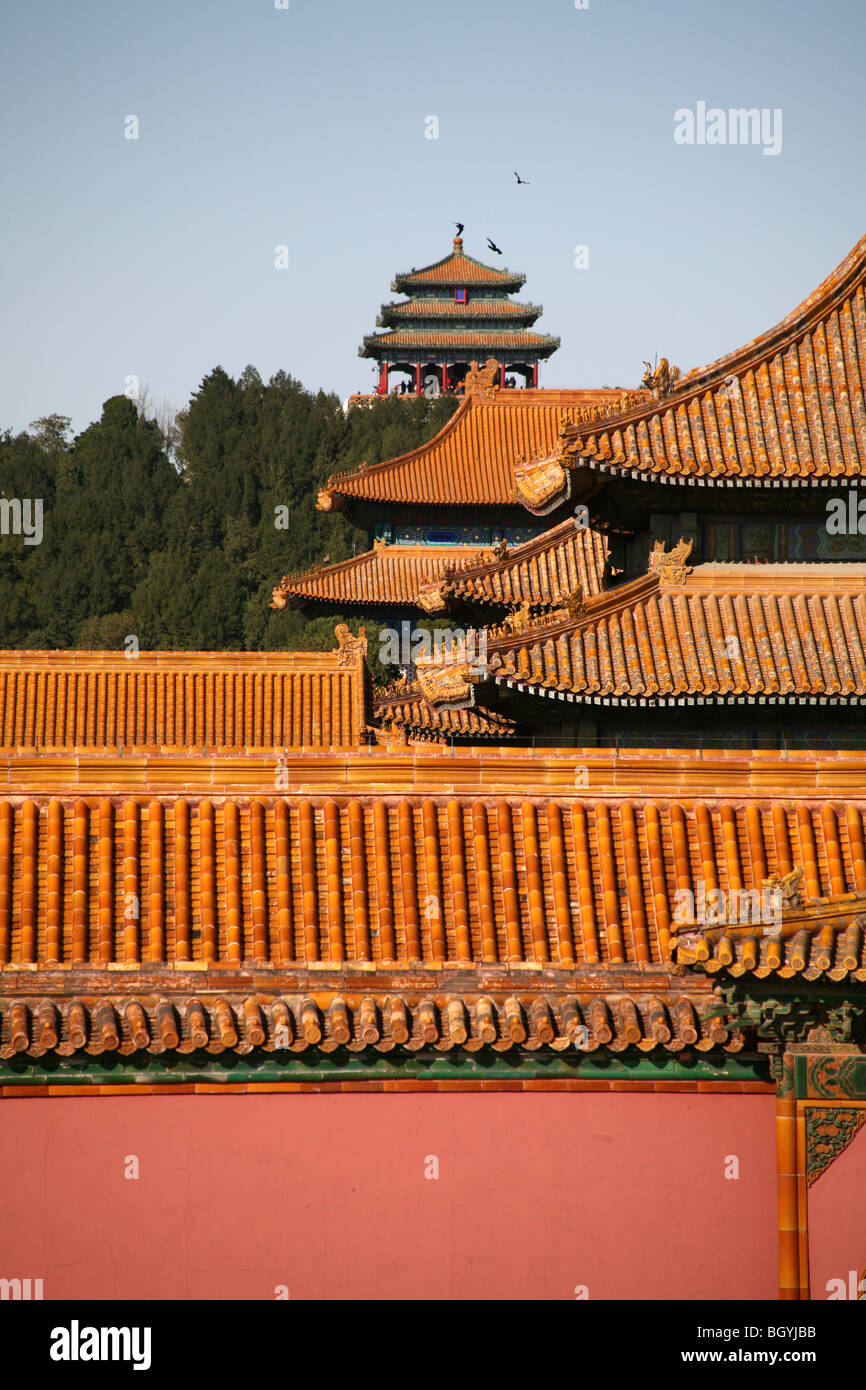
(178, 535)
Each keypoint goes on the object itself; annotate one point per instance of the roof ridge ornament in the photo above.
(661, 381)
(787, 886)
(601, 410)
(482, 382)
(671, 568)
(349, 647)
(575, 602)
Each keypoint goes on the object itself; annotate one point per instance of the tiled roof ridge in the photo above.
(473, 336)
(476, 306)
(524, 550)
(90, 658)
(850, 271)
(399, 560)
(346, 883)
(749, 357)
(596, 608)
(778, 576)
(99, 701)
(367, 469)
(518, 554)
(404, 712)
(666, 641)
(497, 274)
(525, 398)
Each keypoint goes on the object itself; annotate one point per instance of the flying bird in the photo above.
(459, 226)
(494, 247)
(519, 179)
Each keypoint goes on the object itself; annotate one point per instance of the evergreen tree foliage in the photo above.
(185, 557)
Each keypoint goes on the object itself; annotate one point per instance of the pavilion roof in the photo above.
(788, 409)
(470, 461)
(388, 574)
(464, 340)
(457, 269)
(80, 701)
(401, 717)
(543, 572)
(475, 308)
(723, 632)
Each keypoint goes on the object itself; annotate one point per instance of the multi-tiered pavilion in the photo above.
(457, 310)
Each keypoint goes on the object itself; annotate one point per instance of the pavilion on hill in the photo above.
(457, 311)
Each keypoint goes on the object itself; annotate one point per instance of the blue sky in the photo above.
(305, 126)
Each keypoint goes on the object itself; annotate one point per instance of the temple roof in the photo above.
(401, 717)
(388, 574)
(413, 898)
(470, 460)
(788, 408)
(78, 701)
(457, 269)
(543, 571)
(474, 308)
(306, 881)
(464, 340)
(721, 631)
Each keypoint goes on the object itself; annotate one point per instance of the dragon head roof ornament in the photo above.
(671, 568)
(431, 597)
(663, 380)
(787, 886)
(349, 647)
(482, 382)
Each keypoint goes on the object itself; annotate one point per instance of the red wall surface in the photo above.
(537, 1193)
(837, 1220)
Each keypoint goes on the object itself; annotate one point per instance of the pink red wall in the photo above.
(837, 1219)
(536, 1194)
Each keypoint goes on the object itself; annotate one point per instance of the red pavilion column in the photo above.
(502, 374)
(417, 378)
(383, 379)
(444, 376)
(535, 373)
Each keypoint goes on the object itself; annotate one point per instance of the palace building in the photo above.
(547, 955)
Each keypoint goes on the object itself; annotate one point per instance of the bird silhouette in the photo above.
(519, 179)
(459, 226)
(494, 247)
